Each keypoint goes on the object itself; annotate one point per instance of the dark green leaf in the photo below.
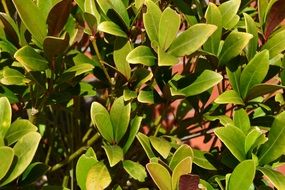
(201, 160)
(33, 172)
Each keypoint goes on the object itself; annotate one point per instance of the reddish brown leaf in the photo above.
(58, 16)
(9, 30)
(275, 17)
(189, 182)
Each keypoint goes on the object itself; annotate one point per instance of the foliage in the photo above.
(118, 88)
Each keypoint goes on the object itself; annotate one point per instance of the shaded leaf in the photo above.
(101, 119)
(80, 69)
(10, 28)
(229, 97)
(135, 170)
(191, 39)
(275, 177)
(189, 182)
(142, 55)
(6, 159)
(160, 175)
(201, 160)
(262, 89)
(98, 177)
(134, 128)
(54, 46)
(114, 154)
(33, 172)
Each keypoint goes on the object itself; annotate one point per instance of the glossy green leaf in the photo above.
(167, 34)
(191, 39)
(229, 10)
(200, 159)
(135, 170)
(205, 81)
(241, 120)
(114, 154)
(213, 16)
(141, 55)
(13, 77)
(254, 72)
(161, 145)
(251, 139)
(5, 116)
(234, 78)
(160, 176)
(118, 6)
(111, 28)
(134, 128)
(101, 119)
(223, 119)
(122, 48)
(275, 146)
(80, 69)
(30, 59)
(180, 154)
(145, 143)
(151, 20)
(242, 176)
(90, 7)
(8, 47)
(262, 5)
(146, 97)
(275, 44)
(33, 172)
(275, 177)
(98, 177)
(6, 159)
(229, 97)
(166, 59)
(182, 168)
(120, 117)
(18, 129)
(233, 46)
(24, 150)
(251, 29)
(33, 18)
(234, 139)
(84, 164)
(262, 89)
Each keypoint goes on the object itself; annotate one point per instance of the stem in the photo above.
(101, 61)
(5, 7)
(76, 153)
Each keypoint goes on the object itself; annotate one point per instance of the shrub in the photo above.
(120, 89)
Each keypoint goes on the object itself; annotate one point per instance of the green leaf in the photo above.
(134, 128)
(180, 154)
(30, 59)
(120, 117)
(18, 129)
(114, 154)
(122, 48)
(234, 139)
(275, 177)
(84, 164)
(251, 139)
(8, 47)
(33, 172)
(141, 55)
(242, 176)
(254, 72)
(161, 145)
(251, 29)
(167, 34)
(6, 159)
(101, 119)
(135, 170)
(241, 120)
(191, 39)
(111, 28)
(233, 46)
(90, 7)
(204, 82)
(98, 177)
(262, 89)
(213, 16)
(5, 116)
(275, 146)
(151, 20)
(234, 78)
(24, 150)
(80, 69)
(146, 97)
(182, 168)
(201, 160)
(229, 97)
(10, 28)
(275, 44)
(229, 10)
(144, 141)
(223, 119)
(13, 77)
(33, 19)
(160, 176)
(166, 59)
